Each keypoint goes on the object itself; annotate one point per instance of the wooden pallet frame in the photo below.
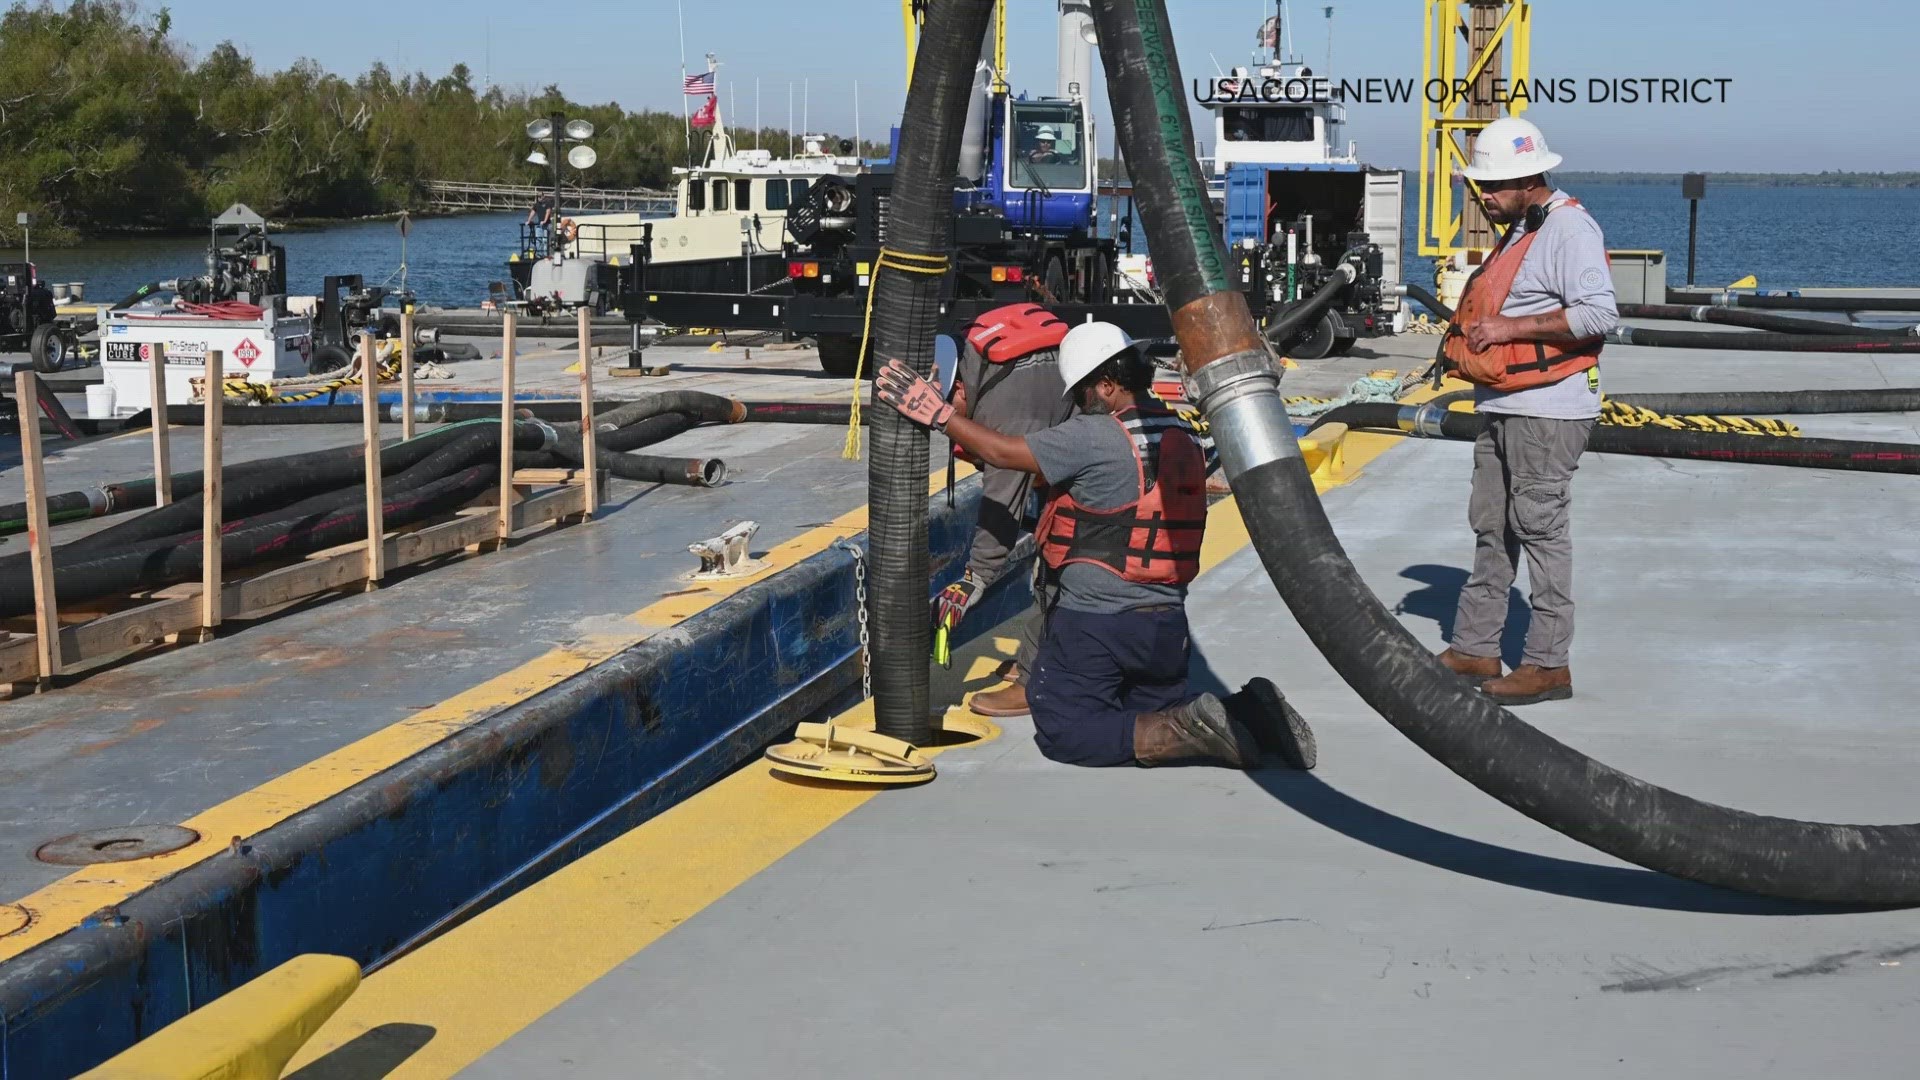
(194, 611)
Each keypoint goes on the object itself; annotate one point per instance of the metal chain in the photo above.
(860, 594)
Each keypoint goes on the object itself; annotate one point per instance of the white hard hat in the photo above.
(1086, 347)
(1508, 149)
(1047, 133)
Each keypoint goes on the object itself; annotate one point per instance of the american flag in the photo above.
(1523, 145)
(699, 85)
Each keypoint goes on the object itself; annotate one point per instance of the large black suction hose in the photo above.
(1752, 320)
(1880, 399)
(1858, 303)
(906, 314)
(1433, 420)
(1490, 747)
(1295, 320)
(1748, 341)
(1431, 301)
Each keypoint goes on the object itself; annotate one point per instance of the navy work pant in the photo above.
(1096, 672)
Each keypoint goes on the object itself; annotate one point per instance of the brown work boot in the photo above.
(1009, 700)
(1200, 732)
(1531, 684)
(1477, 668)
(1281, 732)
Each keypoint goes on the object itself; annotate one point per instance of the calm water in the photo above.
(1788, 236)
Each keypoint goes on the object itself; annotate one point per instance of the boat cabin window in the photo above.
(719, 194)
(1048, 146)
(743, 195)
(798, 190)
(696, 195)
(1268, 125)
(776, 194)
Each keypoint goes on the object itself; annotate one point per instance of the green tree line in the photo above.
(108, 125)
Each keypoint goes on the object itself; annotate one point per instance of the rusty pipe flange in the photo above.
(123, 844)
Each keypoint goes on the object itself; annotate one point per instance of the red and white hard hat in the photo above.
(1508, 149)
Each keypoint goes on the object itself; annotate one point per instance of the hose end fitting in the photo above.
(1699, 313)
(1423, 421)
(1620, 335)
(1239, 394)
(548, 437)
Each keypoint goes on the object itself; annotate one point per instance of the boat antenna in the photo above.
(1329, 40)
(686, 121)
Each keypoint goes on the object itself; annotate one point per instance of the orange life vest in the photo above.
(1515, 365)
(1154, 539)
(1008, 333)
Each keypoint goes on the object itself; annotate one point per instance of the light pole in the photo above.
(550, 129)
(25, 221)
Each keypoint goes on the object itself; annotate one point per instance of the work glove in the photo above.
(916, 399)
(948, 609)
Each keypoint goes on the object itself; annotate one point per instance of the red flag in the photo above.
(704, 117)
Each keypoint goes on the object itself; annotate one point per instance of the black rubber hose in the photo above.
(1431, 301)
(1763, 342)
(138, 295)
(1752, 320)
(798, 412)
(1849, 455)
(1797, 303)
(244, 492)
(906, 316)
(1487, 745)
(1779, 402)
(643, 433)
(444, 481)
(1282, 332)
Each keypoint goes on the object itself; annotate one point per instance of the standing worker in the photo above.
(1527, 335)
(1126, 511)
(1009, 378)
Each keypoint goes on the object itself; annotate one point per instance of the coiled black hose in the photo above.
(1752, 320)
(450, 477)
(1763, 342)
(1487, 745)
(1779, 402)
(1652, 441)
(906, 314)
(1797, 303)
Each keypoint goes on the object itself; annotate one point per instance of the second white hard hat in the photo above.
(1086, 347)
(1508, 149)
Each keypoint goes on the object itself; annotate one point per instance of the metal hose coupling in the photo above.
(1423, 421)
(1239, 394)
(548, 437)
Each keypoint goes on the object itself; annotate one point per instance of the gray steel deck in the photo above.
(1743, 638)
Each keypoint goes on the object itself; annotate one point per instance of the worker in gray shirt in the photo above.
(1527, 334)
(1008, 378)
(1121, 535)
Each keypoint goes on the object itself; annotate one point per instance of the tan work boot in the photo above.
(1531, 684)
(1280, 730)
(1473, 667)
(1009, 700)
(1200, 732)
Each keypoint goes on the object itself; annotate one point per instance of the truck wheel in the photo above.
(1318, 342)
(1054, 279)
(48, 347)
(840, 354)
(1100, 288)
(328, 357)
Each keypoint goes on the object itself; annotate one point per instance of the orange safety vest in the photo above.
(1515, 365)
(1155, 538)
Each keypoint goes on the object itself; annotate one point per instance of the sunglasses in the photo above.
(1501, 185)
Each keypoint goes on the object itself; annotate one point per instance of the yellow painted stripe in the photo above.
(491, 977)
(59, 907)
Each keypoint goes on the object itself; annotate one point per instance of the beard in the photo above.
(1091, 404)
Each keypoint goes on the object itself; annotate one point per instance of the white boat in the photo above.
(726, 234)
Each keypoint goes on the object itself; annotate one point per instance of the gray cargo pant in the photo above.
(1522, 479)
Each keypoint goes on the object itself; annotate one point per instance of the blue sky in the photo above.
(1814, 87)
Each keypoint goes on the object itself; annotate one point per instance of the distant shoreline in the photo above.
(1779, 180)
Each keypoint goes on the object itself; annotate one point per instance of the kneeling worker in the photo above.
(1120, 538)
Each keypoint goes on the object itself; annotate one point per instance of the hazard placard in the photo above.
(246, 352)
